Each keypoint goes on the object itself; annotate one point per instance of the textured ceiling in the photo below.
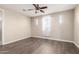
(52, 8)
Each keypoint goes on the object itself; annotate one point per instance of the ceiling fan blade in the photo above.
(42, 11)
(30, 9)
(35, 5)
(43, 7)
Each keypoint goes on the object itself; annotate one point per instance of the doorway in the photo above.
(0, 27)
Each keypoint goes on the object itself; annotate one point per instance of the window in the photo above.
(46, 24)
(60, 19)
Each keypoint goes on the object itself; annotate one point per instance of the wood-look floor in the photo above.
(39, 46)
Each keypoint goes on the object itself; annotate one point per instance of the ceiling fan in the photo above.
(38, 8)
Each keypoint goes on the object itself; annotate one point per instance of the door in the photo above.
(0, 27)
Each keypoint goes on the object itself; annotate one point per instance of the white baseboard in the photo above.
(53, 39)
(45, 38)
(76, 44)
(14, 41)
(58, 40)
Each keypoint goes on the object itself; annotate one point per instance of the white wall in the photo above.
(62, 25)
(76, 32)
(16, 26)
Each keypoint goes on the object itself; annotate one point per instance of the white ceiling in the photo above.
(52, 8)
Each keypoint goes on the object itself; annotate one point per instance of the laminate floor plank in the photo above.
(39, 46)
